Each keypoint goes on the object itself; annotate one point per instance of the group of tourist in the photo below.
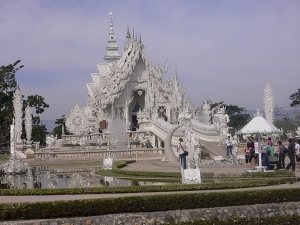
(251, 154)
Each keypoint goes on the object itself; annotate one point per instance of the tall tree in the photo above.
(38, 129)
(287, 125)
(58, 129)
(295, 98)
(8, 85)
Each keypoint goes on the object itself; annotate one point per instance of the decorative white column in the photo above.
(18, 104)
(28, 124)
(268, 103)
(28, 128)
(12, 138)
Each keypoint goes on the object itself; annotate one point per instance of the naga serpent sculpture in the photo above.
(168, 147)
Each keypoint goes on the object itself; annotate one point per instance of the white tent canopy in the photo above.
(259, 125)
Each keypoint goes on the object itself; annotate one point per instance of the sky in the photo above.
(223, 50)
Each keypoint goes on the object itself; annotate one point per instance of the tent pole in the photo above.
(259, 150)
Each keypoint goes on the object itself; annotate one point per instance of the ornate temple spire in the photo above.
(128, 36)
(112, 47)
(268, 103)
(133, 33)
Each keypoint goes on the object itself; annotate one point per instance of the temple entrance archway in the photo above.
(137, 104)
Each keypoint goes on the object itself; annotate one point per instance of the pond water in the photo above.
(66, 177)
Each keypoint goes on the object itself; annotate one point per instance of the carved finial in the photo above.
(133, 33)
(140, 41)
(258, 113)
(112, 47)
(128, 33)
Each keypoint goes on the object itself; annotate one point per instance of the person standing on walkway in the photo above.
(297, 147)
(180, 150)
(248, 158)
(228, 147)
(281, 156)
(291, 154)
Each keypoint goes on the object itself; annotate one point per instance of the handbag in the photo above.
(185, 153)
(247, 155)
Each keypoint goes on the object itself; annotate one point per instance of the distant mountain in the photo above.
(50, 125)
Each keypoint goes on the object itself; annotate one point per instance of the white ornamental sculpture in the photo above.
(50, 141)
(18, 114)
(108, 163)
(77, 121)
(223, 121)
(190, 175)
(149, 98)
(268, 103)
(28, 124)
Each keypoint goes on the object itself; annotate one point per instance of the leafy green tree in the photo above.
(58, 129)
(8, 85)
(295, 98)
(38, 129)
(287, 125)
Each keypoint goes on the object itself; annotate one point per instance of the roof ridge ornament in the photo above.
(128, 36)
(112, 47)
(258, 113)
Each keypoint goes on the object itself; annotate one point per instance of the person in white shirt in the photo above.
(297, 147)
(228, 147)
(180, 150)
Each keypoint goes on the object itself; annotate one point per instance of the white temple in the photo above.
(129, 88)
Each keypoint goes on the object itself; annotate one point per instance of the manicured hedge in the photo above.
(150, 188)
(93, 207)
(121, 164)
(275, 220)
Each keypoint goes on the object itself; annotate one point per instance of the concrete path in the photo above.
(147, 165)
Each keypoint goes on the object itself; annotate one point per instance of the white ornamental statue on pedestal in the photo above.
(189, 175)
(28, 128)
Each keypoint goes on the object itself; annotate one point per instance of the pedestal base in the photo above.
(108, 163)
(29, 151)
(260, 168)
(190, 176)
(21, 154)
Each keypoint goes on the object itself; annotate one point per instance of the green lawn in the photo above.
(4, 158)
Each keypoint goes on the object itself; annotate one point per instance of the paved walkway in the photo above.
(159, 166)
(147, 165)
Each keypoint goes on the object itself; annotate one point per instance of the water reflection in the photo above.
(44, 177)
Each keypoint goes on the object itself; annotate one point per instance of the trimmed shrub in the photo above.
(93, 207)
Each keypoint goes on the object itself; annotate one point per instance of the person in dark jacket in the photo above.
(281, 156)
(291, 154)
(265, 159)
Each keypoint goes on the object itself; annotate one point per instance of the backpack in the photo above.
(285, 150)
(268, 151)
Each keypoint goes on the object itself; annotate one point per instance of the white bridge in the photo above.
(97, 144)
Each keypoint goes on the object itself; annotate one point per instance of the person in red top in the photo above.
(269, 142)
